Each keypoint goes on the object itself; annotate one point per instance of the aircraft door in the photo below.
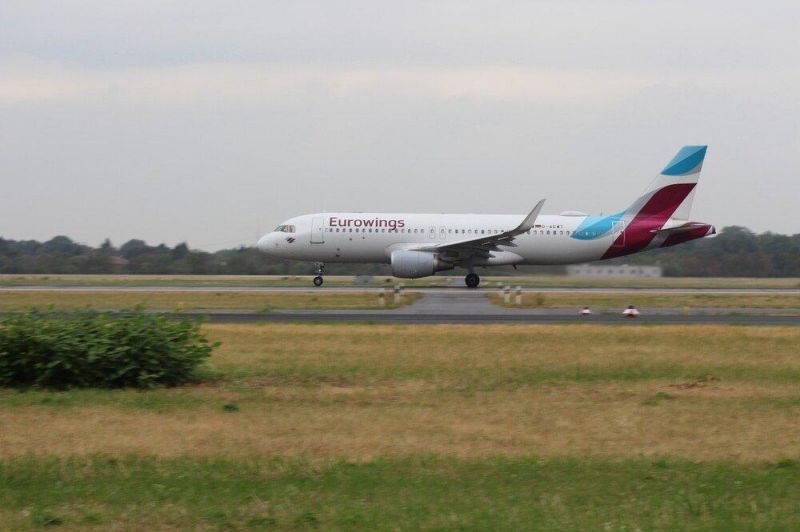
(318, 230)
(618, 234)
(442, 233)
(432, 232)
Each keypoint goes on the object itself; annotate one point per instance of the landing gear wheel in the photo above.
(472, 280)
(319, 269)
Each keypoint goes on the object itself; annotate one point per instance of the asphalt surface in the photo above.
(472, 307)
(461, 305)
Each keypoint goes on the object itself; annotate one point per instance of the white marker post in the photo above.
(506, 295)
(518, 298)
(631, 312)
(382, 297)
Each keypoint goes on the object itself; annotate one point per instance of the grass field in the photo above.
(543, 281)
(399, 494)
(407, 427)
(173, 300)
(788, 302)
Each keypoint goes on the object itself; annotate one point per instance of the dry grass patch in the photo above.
(748, 423)
(177, 300)
(362, 392)
(789, 302)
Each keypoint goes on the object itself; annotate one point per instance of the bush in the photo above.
(92, 349)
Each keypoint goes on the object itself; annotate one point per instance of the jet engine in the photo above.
(410, 264)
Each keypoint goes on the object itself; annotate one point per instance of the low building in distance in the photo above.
(613, 270)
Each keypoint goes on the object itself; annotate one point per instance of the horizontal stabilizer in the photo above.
(690, 226)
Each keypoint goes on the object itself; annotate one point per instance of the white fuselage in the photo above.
(417, 245)
(372, 237)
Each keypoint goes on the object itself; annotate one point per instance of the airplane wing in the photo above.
(484, 245)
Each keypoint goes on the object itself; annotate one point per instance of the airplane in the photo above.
(419, 245)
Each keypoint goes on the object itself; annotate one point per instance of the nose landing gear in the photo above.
(320, 269)
(472, 280)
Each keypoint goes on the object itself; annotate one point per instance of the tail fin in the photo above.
(670, 195)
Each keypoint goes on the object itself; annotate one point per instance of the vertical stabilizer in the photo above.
(670, 195)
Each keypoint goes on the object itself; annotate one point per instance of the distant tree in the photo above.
(735, 251)
(132, 248)
(63, 244)
(180, 251)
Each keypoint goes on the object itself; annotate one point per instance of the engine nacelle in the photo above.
(410, 264)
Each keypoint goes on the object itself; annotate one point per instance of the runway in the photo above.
(376, 289)
(472, 307)
(441, 305)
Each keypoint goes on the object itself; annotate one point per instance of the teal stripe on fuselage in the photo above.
(596, 226)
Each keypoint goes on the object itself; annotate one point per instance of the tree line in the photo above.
(734, 252)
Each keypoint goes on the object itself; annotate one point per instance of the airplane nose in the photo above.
(263, 243)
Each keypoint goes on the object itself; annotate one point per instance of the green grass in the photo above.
(500, 356)
(399, 494)
(448, 427)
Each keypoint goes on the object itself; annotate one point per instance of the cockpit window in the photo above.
(285, 229)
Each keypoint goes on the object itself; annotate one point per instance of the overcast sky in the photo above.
(211, 122)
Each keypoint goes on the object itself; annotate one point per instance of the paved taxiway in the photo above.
(470, 306)
(451, 305)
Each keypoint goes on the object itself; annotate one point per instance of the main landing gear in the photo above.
(320, 269)
(472, 280)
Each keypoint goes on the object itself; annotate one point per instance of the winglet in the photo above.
(529, 220)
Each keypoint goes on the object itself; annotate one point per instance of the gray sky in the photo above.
(211, 122)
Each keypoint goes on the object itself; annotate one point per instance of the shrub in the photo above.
(92, 349)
